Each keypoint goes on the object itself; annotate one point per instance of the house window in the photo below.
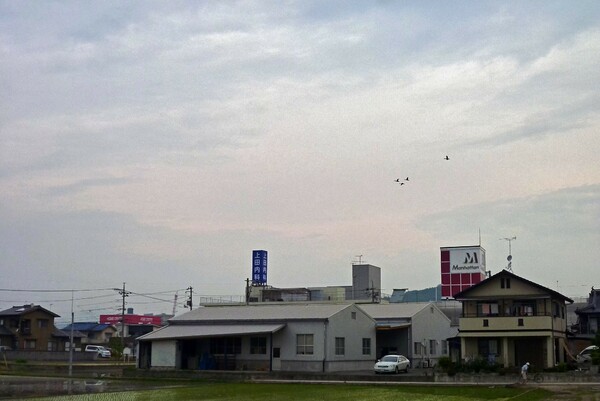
(486, 323)
(487, 309)
(353, 315)
(29, 344)
(366, 346)
(444, 347)
(488, 347)
(419, 348)
(523, 308)
(505, 282)
(521, 322)
(340, 345)
(42, 323)
(555, 309)
(226, 345)
(432, 347)
(26, 326)
(305, 344)
(52, 346)
(258, 345)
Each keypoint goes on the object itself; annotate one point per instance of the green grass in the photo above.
(314, 392)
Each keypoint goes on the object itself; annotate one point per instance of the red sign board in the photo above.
(130, 319)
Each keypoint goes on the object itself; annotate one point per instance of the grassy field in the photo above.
(315, 392)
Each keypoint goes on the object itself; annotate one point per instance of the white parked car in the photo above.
(585, 356)
(392, 364)
(102, 352)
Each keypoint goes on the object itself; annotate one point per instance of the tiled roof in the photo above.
(24, 309)
(87, 326)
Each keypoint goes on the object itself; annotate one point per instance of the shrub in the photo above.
(445, 363)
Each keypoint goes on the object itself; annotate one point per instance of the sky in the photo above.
(157, 144)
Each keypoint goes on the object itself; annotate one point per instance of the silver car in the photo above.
(392, 364)
(585, 356)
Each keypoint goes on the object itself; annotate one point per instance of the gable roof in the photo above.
(505, 273)
(21, 310)
(262, 312)
(394, 310)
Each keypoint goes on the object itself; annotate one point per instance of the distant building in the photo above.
(588, 316)
(30, 327)
(366, 286)
(93, 333)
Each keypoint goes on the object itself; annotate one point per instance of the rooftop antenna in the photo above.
(509, 257)
(359, 262)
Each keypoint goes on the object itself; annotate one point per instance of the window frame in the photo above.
(305, 344)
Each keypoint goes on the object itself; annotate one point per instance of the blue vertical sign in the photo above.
(259, 267)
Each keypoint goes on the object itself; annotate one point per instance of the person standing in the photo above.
(524, 370)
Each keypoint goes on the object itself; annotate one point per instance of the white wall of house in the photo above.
(353, 325)
(164, 354)
(285, 340)
(431, 328)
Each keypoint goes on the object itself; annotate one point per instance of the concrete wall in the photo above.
(48, 356)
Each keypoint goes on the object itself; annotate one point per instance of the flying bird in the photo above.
(397, 180)
(447, 158)
(406, 179)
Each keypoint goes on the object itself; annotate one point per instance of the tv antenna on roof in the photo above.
(359, 261)
(509, 257)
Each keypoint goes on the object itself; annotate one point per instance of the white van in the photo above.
(585, 356)
(100, 350)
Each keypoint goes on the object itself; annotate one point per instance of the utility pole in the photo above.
(247, 291)
(189, 302)
(123, 294)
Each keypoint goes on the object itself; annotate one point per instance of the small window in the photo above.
(432, 347)
(340, 345)
(353, 315)
(42, 323)
(521, 322)
(486, 323)
(444, 347)
(305, 344)
(417, 348)
(366, 346)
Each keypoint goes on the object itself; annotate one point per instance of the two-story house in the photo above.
(30, 327)
(510, 320)
(588, 317)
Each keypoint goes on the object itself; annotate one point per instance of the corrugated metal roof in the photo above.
(391, 326)
(194, 331)
(393, 311)
(261, 312)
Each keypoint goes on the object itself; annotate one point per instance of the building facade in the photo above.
(30, 327)
(419, 331)
(510, 320)
(282, 337)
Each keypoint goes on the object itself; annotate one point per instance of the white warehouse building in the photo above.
(270, 337)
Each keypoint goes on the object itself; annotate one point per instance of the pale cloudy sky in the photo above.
(159, 143)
